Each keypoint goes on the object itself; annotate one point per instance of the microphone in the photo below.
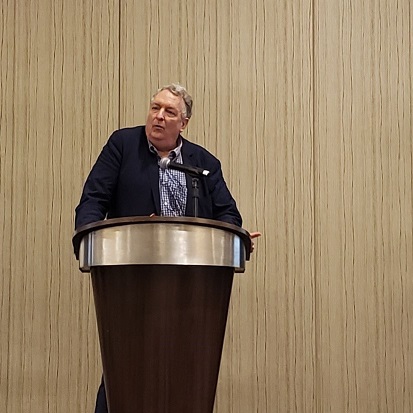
(166, 163)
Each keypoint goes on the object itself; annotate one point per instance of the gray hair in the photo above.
(178, 90)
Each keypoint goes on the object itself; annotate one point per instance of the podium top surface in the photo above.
(161, 241)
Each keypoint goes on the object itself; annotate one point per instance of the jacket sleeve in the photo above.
(100, 184)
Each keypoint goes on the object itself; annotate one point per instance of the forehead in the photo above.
(167, 98)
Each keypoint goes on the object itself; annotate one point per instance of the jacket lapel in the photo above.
(152, 170)
(154, 181)
(187, 158)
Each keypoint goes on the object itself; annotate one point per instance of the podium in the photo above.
(162, 289)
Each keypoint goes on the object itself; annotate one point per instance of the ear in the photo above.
(184, 124)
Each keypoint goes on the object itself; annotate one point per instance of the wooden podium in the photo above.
(162, 288)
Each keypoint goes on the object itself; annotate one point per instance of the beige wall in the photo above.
(307, 104)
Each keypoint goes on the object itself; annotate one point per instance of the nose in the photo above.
(160, 114)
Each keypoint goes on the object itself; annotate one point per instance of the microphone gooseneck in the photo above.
(166, 163)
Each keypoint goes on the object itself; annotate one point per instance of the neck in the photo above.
(162, 154)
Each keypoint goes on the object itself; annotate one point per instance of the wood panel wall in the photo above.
(308, 105)
(59, 93)
(363, 204)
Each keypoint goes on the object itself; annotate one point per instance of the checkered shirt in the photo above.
(172, 186)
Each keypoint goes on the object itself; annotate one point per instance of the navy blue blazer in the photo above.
(125, 182)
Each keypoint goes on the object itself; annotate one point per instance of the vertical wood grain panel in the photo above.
(270, 344)
(250, 71)
(363, 129)
(7, 51)
(59, 96)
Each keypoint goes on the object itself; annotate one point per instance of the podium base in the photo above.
(161, 331)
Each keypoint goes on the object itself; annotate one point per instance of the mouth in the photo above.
(158, 127)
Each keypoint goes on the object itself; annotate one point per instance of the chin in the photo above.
(158, 134)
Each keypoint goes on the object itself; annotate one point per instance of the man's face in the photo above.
(165, 120)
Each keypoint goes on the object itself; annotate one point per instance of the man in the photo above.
(126, 179)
